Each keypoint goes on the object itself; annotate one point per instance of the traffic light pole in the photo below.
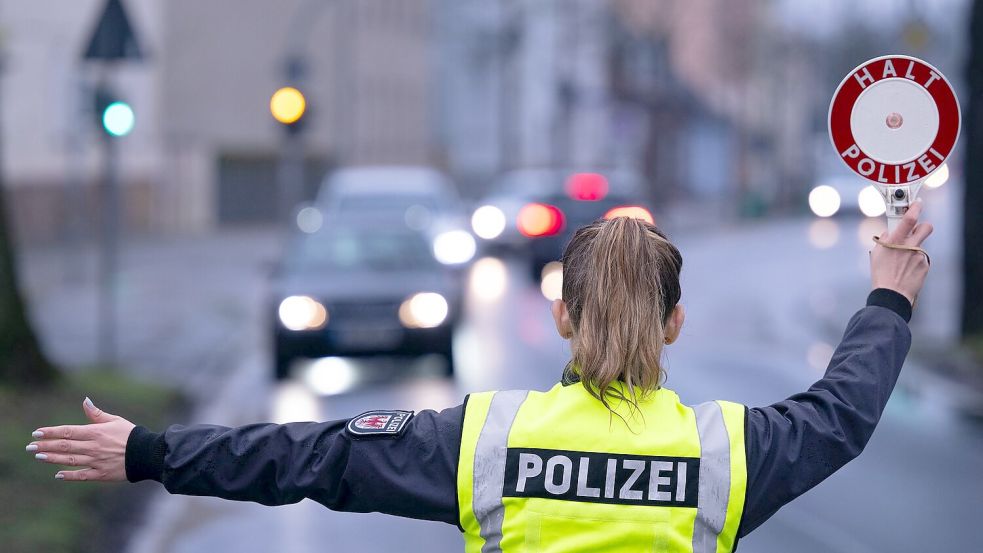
(109, 253)
(290, 173)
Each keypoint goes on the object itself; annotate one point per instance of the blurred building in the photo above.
(205, 148)
(709, 99)
(593, 84)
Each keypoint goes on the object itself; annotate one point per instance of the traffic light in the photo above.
(118, 119)
(287, 105)
(114, 115)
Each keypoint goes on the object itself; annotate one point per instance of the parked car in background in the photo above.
(359, 288)
(421, 198)
(534, 212)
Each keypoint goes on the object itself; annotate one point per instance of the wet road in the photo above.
(765, 306)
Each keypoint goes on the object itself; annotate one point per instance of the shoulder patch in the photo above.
(388, 424)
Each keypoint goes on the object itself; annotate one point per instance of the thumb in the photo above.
(94, 413)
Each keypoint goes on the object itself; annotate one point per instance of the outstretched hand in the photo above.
(903, 271)
(99, 447)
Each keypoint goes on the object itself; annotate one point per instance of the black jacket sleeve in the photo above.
(797, 443)
(411, 475)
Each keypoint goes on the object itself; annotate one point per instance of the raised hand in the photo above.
(901, 270)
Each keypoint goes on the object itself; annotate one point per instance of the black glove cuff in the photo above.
(895, 301)
(144, 455)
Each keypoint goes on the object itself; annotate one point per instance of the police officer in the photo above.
(605, 460)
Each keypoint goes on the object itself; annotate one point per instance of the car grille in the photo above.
(368, 313)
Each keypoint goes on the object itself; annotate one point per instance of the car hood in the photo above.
(365, 285)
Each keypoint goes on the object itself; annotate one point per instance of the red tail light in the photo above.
(636, 211)
(587, 186)
(540, 220)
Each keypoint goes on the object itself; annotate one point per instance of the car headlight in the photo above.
(302, 313)
(423, 310)
(824, 201)
(454, 247)
(871, 202)
(488, 222)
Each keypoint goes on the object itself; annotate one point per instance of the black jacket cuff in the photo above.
(895, 301)
(144, 455)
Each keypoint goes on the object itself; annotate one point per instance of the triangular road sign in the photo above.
(113, 37)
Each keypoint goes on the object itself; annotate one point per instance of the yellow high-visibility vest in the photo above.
(557, 472)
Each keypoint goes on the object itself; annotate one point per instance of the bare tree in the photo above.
(22, 362)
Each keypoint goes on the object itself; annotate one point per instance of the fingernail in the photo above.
(32, 448)
(88, 403)
(41, 457)
(59, 476)
(37, 434)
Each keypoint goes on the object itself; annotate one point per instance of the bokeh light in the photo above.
(310, 219)
(540, 220)
(118, 119)
(939, 177)
(551, 284)
(331, 375)
(871, 202)
(423, 310)
(454, 247)
(489, 279)
(302, 313)
(287, 105)
(635, 211)
(824, 201)
(488, 222)
(587, 186)
(824, 233)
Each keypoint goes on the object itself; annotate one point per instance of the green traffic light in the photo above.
(118, 119)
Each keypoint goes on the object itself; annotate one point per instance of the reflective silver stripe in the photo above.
(714, 489)
(489, 466)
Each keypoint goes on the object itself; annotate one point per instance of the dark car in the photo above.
(571, 213)
(359, 290)
(543, 207)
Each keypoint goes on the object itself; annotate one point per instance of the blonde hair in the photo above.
(620, 285)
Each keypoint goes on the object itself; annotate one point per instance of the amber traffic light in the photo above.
(287, 105)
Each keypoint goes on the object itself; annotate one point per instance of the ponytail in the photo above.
(620, 285)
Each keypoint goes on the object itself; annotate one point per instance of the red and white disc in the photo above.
(894, 120)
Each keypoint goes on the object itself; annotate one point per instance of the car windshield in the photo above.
(361, 250)
(366, 203)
